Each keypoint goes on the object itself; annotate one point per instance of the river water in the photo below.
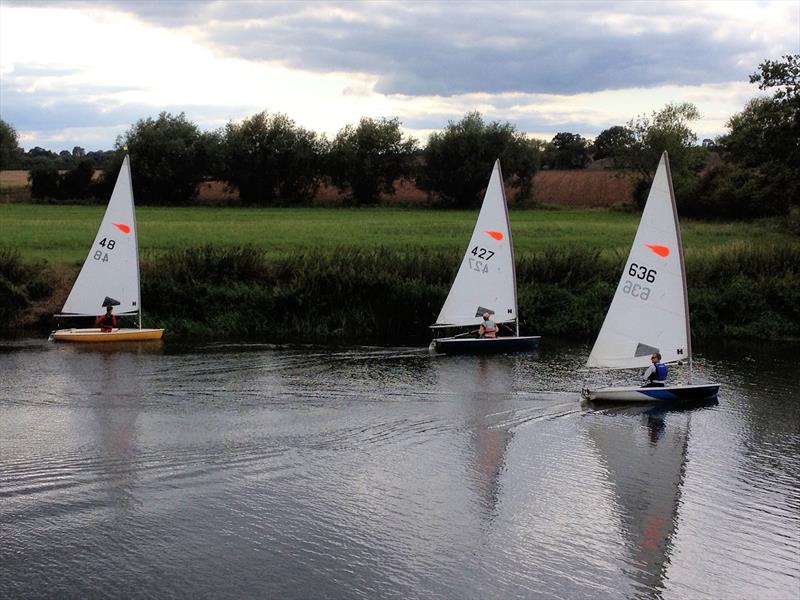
(304, 472)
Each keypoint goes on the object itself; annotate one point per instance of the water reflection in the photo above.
(483, 387)
(643, 452)
(238, 471)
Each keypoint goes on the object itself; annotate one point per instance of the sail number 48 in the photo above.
(108, 245)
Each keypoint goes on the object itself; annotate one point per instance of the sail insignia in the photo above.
(645, 350)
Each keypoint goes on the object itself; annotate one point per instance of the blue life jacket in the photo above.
(661, 371)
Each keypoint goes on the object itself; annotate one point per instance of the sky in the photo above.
(81, 73)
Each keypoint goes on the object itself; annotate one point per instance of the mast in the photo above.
(135, 241)
(510, 245)
(683, 265)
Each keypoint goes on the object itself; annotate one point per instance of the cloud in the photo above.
(98, 66)
(446, 48)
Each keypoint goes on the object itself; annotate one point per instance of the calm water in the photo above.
(255, 471)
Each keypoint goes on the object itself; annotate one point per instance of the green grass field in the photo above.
(64, 233)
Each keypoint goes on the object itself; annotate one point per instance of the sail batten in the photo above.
(485, 278)
(649, 307)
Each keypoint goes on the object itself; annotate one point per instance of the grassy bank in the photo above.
(63, 233)
(381, 275)
(391, 295)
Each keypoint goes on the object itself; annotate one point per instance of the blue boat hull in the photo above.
(671, 393)
(455, 345)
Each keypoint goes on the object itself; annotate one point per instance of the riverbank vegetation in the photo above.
(352, 288)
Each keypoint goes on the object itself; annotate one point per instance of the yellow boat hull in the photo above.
(94, 335)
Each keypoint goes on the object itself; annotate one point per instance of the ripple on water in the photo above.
(258, 470)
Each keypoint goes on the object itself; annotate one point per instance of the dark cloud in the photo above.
(448, 48)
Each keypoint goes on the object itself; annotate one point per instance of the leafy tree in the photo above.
(667, 129)
(164, 155)
(39, 152)
(78, 152)
(44, 182)
(762, 148)
(731, 191)
(367, 159)
(104, 159)
(613, 141)
(271, 160)
(77, 182)
(9, 146)
(782, 74)
(567, 151)
(768, 129)
(458, 160)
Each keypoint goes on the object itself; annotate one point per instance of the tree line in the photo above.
(748, 172)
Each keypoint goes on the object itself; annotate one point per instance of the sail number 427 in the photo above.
(482, 256)
(482, 253)
(108, 245)
(638, 290)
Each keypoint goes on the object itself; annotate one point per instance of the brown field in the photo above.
(13, 179)
(584, 188)
(14, 186)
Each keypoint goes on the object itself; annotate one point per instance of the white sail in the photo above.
(112, 267)
(649, 310)
(486, 280)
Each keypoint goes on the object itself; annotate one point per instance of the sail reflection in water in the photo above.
(642, 451)
(255, 471)
(483, 388)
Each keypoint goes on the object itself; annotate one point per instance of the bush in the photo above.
(20, 285)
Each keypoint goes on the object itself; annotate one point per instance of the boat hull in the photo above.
(669, 393)
(455, 345)
(94, 335)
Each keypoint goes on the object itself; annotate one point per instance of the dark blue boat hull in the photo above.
(653, 394)
(455, 345)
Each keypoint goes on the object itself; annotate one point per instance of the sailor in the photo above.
(107, 321)
(656, 373)
(487, 329)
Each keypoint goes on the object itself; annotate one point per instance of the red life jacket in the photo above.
(106, 322)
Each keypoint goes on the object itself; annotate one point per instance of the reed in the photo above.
(389, 295)
(21, 284)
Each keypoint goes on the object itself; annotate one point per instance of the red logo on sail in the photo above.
(662, 251)
(122, 227)
(495, 234)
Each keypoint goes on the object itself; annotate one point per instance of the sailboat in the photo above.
(650, 309)
(486, 282)
(110, 273)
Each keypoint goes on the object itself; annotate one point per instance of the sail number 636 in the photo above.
(641, 272)
(636, 290)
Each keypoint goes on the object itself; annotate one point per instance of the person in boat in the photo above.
(487, 329)
(107, 321)
(656, 373)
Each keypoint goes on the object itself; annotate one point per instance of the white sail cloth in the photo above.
(486, 280)
(649, 310)
(111, 268)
